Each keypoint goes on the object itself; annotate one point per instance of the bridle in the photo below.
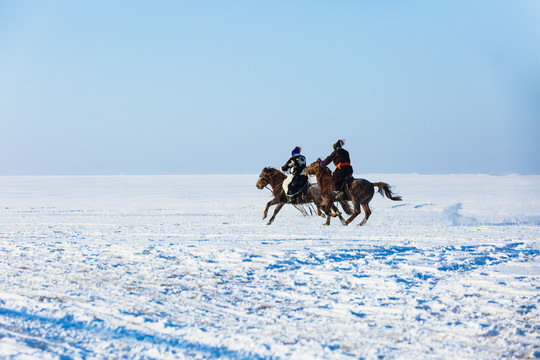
(264, 179)
(311, 170)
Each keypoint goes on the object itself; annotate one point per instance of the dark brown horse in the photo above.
(360, 191)
(274, 178)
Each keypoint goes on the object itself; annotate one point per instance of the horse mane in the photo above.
(323, 169)
(273, 172)
(326, 170)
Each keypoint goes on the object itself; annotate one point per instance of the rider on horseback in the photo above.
(343, 171)
(296, 181)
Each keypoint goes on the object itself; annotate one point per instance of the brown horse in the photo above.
(274, 178)
(360, 191)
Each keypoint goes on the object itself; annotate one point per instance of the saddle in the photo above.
(342, 194)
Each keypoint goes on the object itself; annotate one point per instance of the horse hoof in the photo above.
(269, 223)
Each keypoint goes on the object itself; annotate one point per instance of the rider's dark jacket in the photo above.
(341, 159)
(296, 164)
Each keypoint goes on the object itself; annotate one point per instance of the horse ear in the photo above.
(318, 160)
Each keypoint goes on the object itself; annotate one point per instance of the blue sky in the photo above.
(181, 87)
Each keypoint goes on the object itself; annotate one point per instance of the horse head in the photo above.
(263, 179)
(314, 168)
(267, 176)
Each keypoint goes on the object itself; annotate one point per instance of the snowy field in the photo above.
(181, 267)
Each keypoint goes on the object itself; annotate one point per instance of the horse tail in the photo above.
(385, 189)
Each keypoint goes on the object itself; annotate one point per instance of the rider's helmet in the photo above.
(338, 144)
(296, 151)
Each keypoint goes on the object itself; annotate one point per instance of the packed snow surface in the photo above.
(181, 267)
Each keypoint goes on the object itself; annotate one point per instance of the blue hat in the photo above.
(296, 150)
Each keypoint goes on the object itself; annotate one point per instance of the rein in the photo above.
(299, 191)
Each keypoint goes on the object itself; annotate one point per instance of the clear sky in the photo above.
(181, 87)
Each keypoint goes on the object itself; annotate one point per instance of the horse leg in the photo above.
(331, 211)
(367, 212)
(334, 211)
(328, 217)
(265, 212)
(356, 212)
(301, 209)
(319, 212)
(337, 213)
(274, 201)
(350, 219)
(345, 206)
(278, 207)
(327, 206)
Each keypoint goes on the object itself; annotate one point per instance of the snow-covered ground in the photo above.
(167, 267)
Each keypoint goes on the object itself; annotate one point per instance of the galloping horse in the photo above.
(274, 178)
(360, 191)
